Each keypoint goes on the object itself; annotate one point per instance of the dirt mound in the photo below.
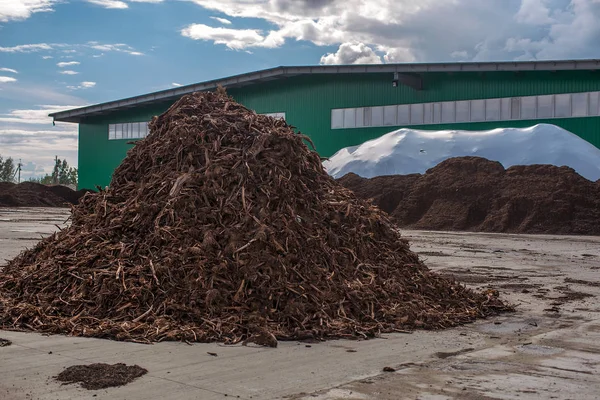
(101, 376)
(31, 194)
(222, 225)
(6, 186)
(475, 194)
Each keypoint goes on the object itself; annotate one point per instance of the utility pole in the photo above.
(18, 171)
(55, 170)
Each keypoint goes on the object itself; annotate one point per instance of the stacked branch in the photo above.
(223, 226)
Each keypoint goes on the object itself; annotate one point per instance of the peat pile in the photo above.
(31, 194)
(222, 225)
(475, 194)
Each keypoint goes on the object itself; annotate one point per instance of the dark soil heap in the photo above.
(101, 376)
(31, 194)
(475, 194)
(222, 225)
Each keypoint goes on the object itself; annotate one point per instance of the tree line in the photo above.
(62, 174)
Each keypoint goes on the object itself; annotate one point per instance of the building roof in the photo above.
(406, 73)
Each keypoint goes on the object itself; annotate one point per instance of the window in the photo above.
(594, 103)
(492, 110)
(545, 106)
(437, 113)
(377, 116)
(129, 130)
(506, 106)
(368, 121)
(416, 114)
(579, 104)
(448, 111)
(389, 115)
(404, 114)
(562, 105)
(350, 118)
(428, 113)
(134, 132)
(565, 105)
(119, 131)
(462, 111)
(360, 117)
(515, 108)
(478, 110)
(337, 119)
(280, 115)
(528, 107)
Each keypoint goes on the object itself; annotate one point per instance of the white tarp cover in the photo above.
(408, 151)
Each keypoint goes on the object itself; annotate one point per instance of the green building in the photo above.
(339, 106)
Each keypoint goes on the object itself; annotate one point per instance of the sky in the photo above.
(61, 54)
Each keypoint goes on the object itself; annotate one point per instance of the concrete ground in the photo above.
(548, 349)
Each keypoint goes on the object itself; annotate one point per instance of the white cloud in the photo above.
(14, 71)
(67, 63)
(26, 48)
(175, 84)
(236, 39)
(22, 9)
(6, 79)
(37, 116)
(352, 53)
(58, 48)
(410, 31)
(109, 3)
(98, 55)
(534, 12)
(459, 54)
(224, 21)
(117, 47)
(36, 94)
(68, 72)
(83, 85)
(398, 54)
(118, 4)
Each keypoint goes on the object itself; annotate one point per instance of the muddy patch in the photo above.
(582, 282)
(100, 376)
(520, 286)
(443, 355)
(433, 254)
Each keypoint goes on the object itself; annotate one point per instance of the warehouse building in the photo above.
(340, 106)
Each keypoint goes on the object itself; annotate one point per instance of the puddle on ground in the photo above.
(508, 327)
(537, 349)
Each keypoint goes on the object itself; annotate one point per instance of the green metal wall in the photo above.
(308, 100)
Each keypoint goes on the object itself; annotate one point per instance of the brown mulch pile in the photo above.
(100, 376)
(475, 194)
(31, 194)
(222, 225)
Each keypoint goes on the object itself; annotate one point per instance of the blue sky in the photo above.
(57, 54)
